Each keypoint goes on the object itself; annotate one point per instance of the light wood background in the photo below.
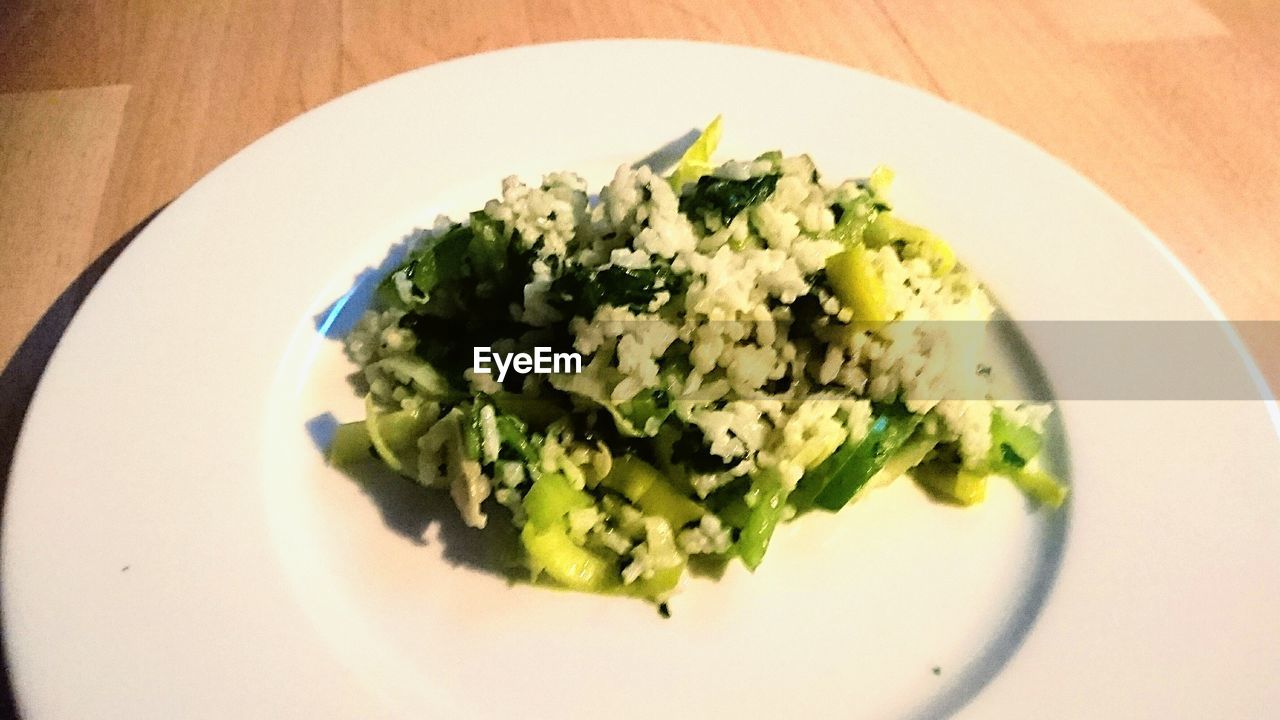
(110, 109)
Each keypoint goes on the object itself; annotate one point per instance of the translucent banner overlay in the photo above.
(996, 359)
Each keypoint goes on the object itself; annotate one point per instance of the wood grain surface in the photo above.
(109, 109)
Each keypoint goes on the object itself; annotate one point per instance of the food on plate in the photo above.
(677, 366)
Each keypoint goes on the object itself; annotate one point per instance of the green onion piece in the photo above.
(886, 229)
(399, 431)
(696, 161)
(880, 179)
(511, 432)
(471, 434)
(375, 435)
(663, 500)
(763, 520)
(1041, 486)
(957, 485)
(552, 551)
(911, 455)
(858, 285)
(854, 216)
(631, 476)
(552, 497)
(420, 374)
(642, 484)
(1012, 446)
(350, 445)
(848, 470)
(660, 585)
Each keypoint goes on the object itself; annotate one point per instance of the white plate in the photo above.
(174, 546)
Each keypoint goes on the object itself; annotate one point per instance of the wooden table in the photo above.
(110, 109)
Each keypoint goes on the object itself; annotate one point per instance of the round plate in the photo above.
(175, 547)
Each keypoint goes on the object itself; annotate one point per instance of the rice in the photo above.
(717, 344)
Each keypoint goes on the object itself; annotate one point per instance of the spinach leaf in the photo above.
(442, 258)
(648, 404)
(489, 244)
(580, 290)
(727, 197)
(478, 250)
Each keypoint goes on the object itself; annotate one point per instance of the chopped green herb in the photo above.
(726, 197)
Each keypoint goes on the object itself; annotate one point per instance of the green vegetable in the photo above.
(552, 497)
(663, 500)
(489, 244)
(481, 248)
(553, 552)
(537, 411)
(472, 432)
(440, 258)
(886, 229)
(662, 582)
(380, 444)
(649, 404)
(580, 290)
(944, 481)
(726, 197)
(420, 374)
(846, 472)
(547, 542)
(1041, 486)
(855, 214)
(911, 455)
(858, 285)
(399, 432)
(1012, 446)
(350, 444)
(643, 485)
(773, 156)
(880, 179)
(595, 501)
(735, 513)
(852, 218)
(581, 386)
(770, 503)
(696, 161)
(511, 433)
(631, 476)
